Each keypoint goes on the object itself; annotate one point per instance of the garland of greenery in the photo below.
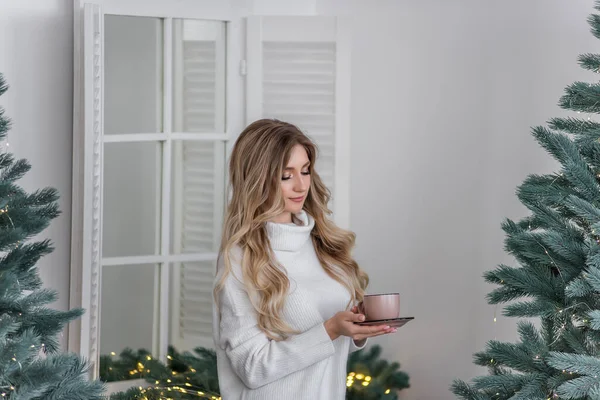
(185, 376)
(194, 375)
(371, 378)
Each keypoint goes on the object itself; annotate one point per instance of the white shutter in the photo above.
(200, 219)
(195, 312)
(199, 55)
(199, 86)
(298, 72)
(201, 198)
(299, 87)
(198, 177)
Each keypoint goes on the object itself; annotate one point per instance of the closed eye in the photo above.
(285, 178)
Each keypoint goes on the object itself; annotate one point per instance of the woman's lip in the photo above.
(297, 198)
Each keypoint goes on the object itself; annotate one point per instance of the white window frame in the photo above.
(88, 144)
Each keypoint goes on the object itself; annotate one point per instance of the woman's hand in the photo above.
(343, 324)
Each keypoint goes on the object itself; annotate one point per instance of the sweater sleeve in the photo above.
(255, 358)
(354, 346)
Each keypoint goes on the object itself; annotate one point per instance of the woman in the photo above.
(285, 276)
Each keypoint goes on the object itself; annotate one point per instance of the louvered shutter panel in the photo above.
(201, 208)
(199, 79)
(199, 185)
(195, 313)
(299, 87)
(298, 72)
(201, 199)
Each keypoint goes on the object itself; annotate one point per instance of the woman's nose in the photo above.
(301, 183)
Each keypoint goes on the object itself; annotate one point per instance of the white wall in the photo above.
(443, 97)
(36, 57)
(283, 7)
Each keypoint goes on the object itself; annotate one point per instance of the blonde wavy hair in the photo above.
(256, 166)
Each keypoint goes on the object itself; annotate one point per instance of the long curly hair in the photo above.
(257, 162)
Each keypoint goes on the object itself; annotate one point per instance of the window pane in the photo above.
(199, 76)
(198, 196)
(131, 213)
(133, 74)
(129, 314)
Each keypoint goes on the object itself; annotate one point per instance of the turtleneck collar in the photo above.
(290, 236)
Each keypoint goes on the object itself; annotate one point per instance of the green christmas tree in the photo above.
(31, 364)
(372, 378)
(187, 375)
(557, 276)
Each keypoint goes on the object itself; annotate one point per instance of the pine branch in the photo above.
(590, 62)
(594, 317)
(581, 96)
(464, 391)
(594, 21)
(575, 126)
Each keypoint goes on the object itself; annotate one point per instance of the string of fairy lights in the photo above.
(167, 385)
(7, 389)
(353, 379)
(360, 380)
(190, 391)
(4, 211)
(537, 357)
(10, 388)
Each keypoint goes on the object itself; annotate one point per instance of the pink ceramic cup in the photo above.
(380, 306)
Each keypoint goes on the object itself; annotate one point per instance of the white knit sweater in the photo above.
(306, 366)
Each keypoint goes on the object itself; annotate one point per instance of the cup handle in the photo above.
(361, 308)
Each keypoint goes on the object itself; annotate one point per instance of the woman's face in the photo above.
(295, 183)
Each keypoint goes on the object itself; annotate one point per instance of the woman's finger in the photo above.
(380, 333)
(363, 337)
(369, 330)
(357, 318)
